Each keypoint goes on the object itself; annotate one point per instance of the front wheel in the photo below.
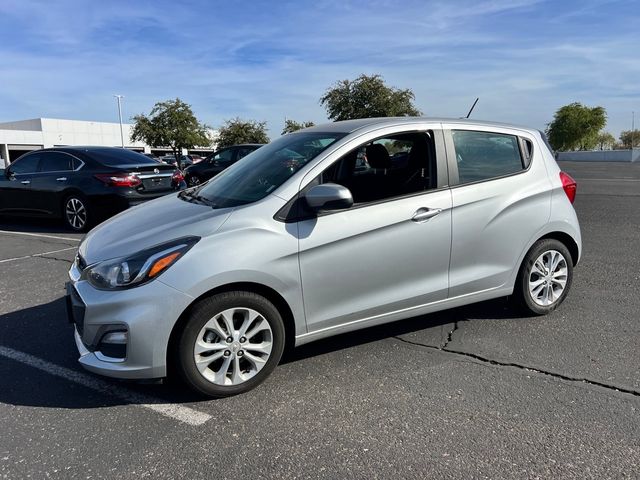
(230, 344)
(545, 277)
(194, 181)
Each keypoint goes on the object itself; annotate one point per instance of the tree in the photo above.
(606, 141)
(630, 138)
(367, 96)
(293, 126)
(171, 124)
(238, 131)
(576, 127)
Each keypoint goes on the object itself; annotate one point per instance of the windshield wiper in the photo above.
(190, 196)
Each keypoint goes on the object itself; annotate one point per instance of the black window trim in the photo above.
(286, 214)
(452, 163)
(82, 164)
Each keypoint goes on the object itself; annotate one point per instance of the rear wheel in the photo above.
(545, 277)
(75, 213)
(230, 344)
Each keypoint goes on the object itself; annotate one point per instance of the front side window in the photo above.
(393, 166)
(55, 162)
(243, 152)
(26, 164)
(224, 156)
(485, 155)
(257, 175)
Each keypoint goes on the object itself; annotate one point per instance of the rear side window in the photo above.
(26, 164)
(486, 155)
(56, 162)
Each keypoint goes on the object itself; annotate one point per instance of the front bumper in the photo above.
(146, 313)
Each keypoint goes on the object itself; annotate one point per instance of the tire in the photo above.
(194, 181)
(76, 213)
(222, 368)
(545, 277)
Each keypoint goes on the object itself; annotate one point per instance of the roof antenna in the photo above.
(472, 107)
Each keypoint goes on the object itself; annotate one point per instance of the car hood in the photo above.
(150, 224)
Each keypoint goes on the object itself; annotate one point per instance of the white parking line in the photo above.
(40, 235)
(177, 412)
(37, 254)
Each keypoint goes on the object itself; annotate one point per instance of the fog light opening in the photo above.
(113, 346)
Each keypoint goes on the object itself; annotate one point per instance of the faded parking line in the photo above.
(177, 412)
(37, 254)
(41, 235)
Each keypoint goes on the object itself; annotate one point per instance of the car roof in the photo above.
(86, 148)
(350, 126)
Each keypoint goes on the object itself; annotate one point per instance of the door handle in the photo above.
(61, 179)
(424, 214)
(25, 182)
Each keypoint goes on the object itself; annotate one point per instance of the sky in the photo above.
(271, 60)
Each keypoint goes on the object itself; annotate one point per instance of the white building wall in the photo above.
(51, 132)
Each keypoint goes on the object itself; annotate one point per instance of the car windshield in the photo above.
(262, 171)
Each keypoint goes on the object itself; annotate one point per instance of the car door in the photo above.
(216, 163)
(501, 199)
(53, 177)
(389, 253)
(15, 186)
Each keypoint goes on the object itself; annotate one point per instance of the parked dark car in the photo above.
(217, 162)
(184, 161)
(83, 185)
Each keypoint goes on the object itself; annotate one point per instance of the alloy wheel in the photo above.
(76, 213)
(233, 346)
(548, 278)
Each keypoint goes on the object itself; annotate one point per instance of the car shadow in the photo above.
(43, 332)
(34, 225)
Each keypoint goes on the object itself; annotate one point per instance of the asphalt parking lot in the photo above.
(476, 392)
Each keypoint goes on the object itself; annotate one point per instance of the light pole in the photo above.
(120, 97)
(633, 130)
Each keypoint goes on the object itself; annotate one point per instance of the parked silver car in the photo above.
(299, 241)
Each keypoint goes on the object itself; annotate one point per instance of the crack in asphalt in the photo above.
(519, 366)
(450, 335)
(54, 258)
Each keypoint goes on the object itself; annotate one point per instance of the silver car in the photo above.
(334, 228)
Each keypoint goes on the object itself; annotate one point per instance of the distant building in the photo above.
(17, 138)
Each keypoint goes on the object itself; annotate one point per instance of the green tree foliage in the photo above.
(171, 124)
(293, 126)
(576, 127)
(367, 96)
(606, 141)
(238, 131)
(629, 137)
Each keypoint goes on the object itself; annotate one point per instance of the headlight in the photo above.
(139, 268)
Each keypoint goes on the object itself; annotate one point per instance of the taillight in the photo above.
(569, 186)
(177, 177)
(119, 180)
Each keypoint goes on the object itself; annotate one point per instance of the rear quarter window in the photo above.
(486, 155)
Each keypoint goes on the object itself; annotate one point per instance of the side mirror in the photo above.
(329, 196)
(7, 173)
